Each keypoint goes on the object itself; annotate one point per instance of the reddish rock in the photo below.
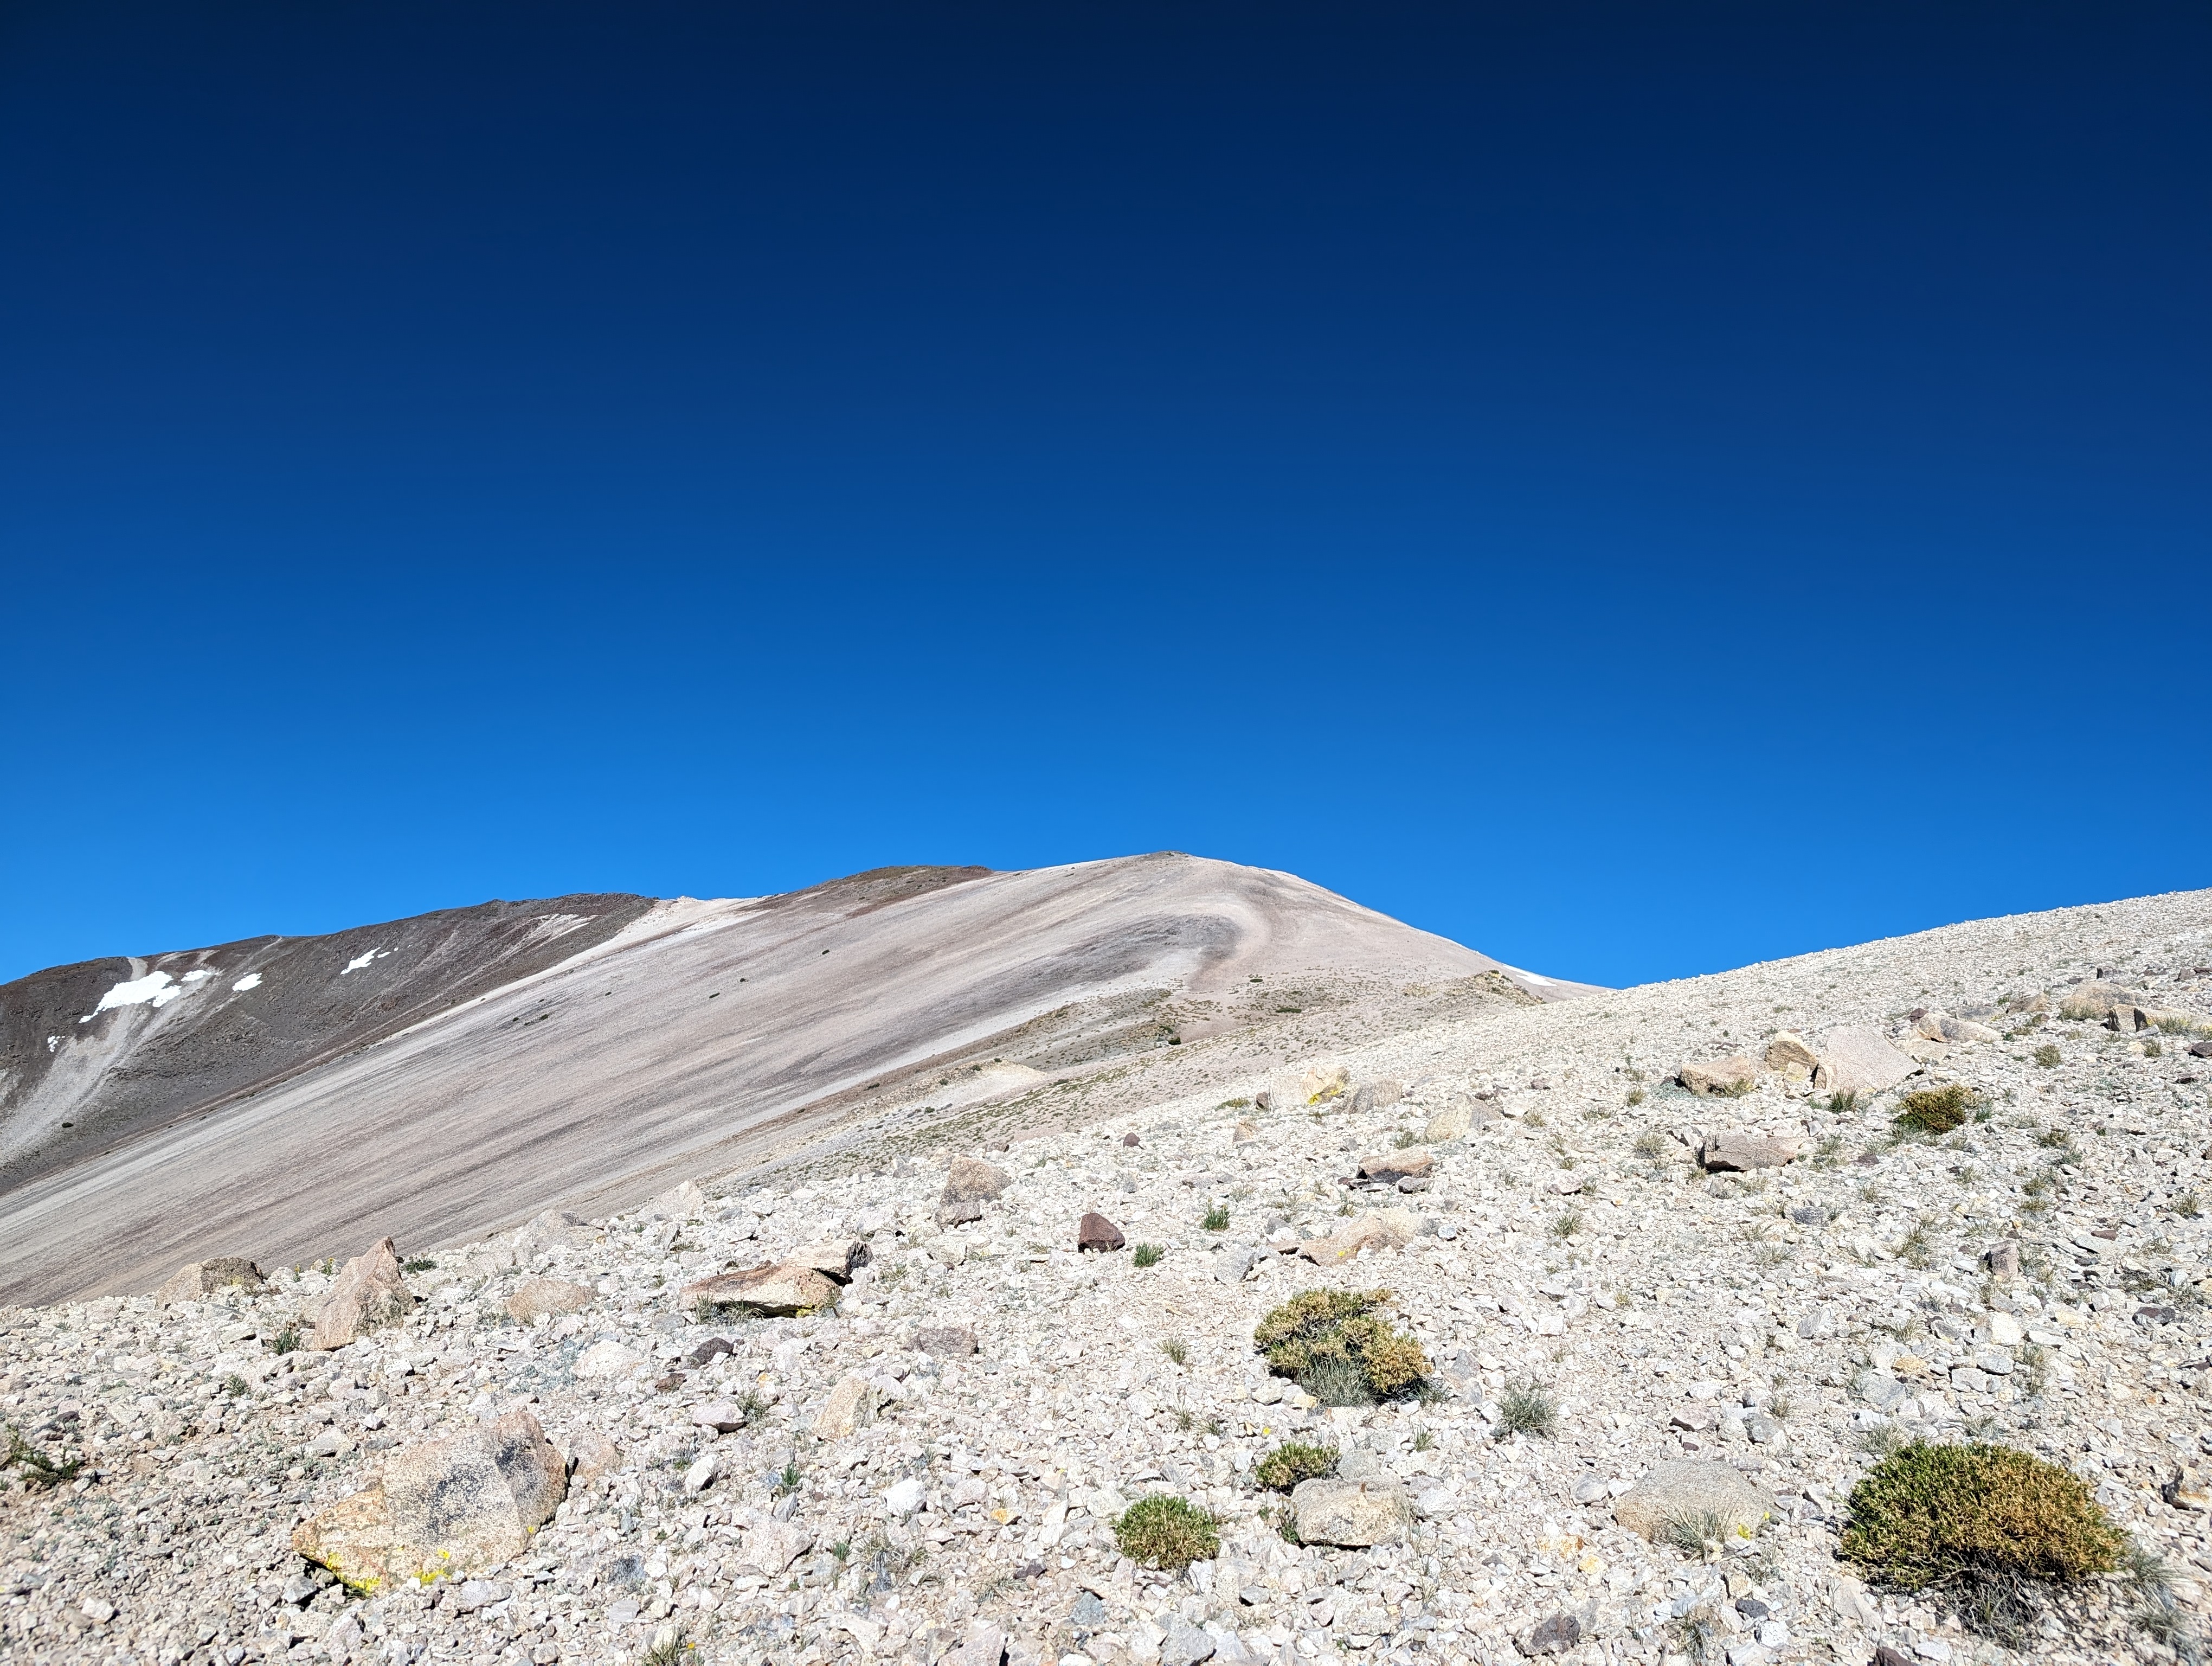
(1095, 1232)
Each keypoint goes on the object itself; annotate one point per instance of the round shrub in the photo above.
(1293, 1462)
(1160, 1530)
(1986, 1524)
(1333, 1345)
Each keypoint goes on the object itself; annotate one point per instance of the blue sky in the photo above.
(1637, 493)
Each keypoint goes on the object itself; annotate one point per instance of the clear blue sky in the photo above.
(1636, 490)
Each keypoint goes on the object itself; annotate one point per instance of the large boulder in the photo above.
(1377, 1095)
(1728, 1077)
(1857, 1058)
(777, 1291)
(548, 1299)
(447, 1507)
(2094, 999)
(1323, 1082)
(1694, 1490)
(851, 1406)
(1741, 1149)
(197, 1279)
(368, 1293)
(972, 1178)
(1351, 1513)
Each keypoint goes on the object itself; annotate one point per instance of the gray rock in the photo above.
(549, 1296)
(970, 1178)
(2003, 1258)
(1555, 1635)
(836, 1259)
(1691, 1489)
(1857, 1058)
(1231, 1265)
(1455, 1122)
(1741, 1149)
(368, 1293)
(983, 1644)
(947, 1342)
(454, 1505)
(1089, 1612)
(851, 1406)
(1377, 1096)
(1351, 1513)
(1186, 1645)
(722, 1416)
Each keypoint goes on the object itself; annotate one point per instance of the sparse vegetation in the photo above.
(1636, 1096)
(1293, 1462)
(36, 1468)
(1828, 1153)
(790, 1480)
(1529, 1410)
(1404, 1140)
(1567, 1224)
(1843, 1104)
(1217, 1219)
(418, 1264)
(1937, 1110)
(286, 1341)
(2048, 1055)
(1176, 1349)
(1735, 1090)
(669, 1648)
(1165, 1532)
(1651, 1145)
(1147, 1254)
(1333, 1346)
(1991, 1530)
(1917, 1248)
(1703, 1533)
(2186, 1205)
(233, 1385)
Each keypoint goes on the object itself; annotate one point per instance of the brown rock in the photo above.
(197, 1279)
(2003, 1259)
(1324, 1082)
(1132, 1139)
(1689, 1489)
(852, 1406)
(1729, 1076)
(1791, 1057)
(1746, 1148)
(368, 1293)
(947, 1342)
(549, 1296)
(444, 1508)
(1095, 1232)
(1411, 1163)
(592, 1454)
(1390, 1229)
(778, 1291)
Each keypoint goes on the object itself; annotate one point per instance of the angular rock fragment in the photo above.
(1858, 1059)
(368, 1293)
(1742, 1149)
(1377, 1095)
(836, 1259)
(1558, 1634)
(1389, 1229)
(722, 1416)
(778, 1292)
(1354, 1514)
(1693, 1490)
(971, 1178)
(1095, 1232)
(1728, 1077)
(1791, 1057)
(851, 1406)
(945, 1342)
(197, 1279)
(682, 1203)
(549, 1297)
(1455, 1122)
(1411, 1163)
(446, 1507)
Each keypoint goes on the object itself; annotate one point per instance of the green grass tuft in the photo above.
(1527, 1411)
(1162, 1532)
(1293, 1462)
(1148, 1254)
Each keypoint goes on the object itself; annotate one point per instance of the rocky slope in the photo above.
(927, 1467)
(437, 1077)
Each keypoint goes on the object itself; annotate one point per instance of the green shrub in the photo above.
(2048, 1055)
(1148, 1254)
(36, 1467)
(1330, 1342)
(1163, 1531)
(286, 1341)
(1217, 1219)
(1938, 1110)
(1293, 1462)
(1988, 1527)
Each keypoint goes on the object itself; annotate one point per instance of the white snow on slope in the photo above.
(362, 960)
(252, 980)
(197, 975)
(157, 990)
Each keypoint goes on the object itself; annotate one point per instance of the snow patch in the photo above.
(197, 975)
(52, 1041)
(362, 960)
(252, 980)
(155, 989)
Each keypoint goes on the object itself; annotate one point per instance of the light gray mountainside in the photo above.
(447, 1074)
(1680, 1262)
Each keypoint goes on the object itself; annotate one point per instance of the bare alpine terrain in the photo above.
(452, 1073)
(1144, 1264)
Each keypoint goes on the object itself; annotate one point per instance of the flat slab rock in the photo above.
(1691, 1489)
(1725, 1076)
(1857, 1058)
(780, 1290)
(1742, 1149)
